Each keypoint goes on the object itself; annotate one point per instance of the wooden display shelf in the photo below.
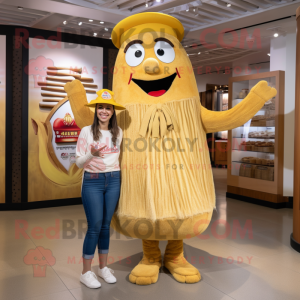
(253, 151)
(249, 163)
(257, 197)
(265, 126)
(246, 188)
(259, 138)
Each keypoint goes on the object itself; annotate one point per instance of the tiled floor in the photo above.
(235, 264)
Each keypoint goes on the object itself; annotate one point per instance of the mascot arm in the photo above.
(77, 97)
(214, 121)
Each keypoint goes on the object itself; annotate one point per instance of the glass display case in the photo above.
(256, 148)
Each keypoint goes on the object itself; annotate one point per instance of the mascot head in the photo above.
(152, 65)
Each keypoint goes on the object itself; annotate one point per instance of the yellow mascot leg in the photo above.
(146, 272)
(178, 266)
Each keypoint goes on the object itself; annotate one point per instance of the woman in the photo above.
(98, 149)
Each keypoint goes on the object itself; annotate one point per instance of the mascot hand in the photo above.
(264, 91)
(74, 87)
(77, 98)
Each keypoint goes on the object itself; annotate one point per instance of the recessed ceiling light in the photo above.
(64, 22)
(91, 20)
(269, 54)
(157, 0)
(20, 8)
(276, 34)
(95, 33)
(199, 52)
(228, 4)
(106, 29)
(80, 23)
(187, 55)
(146, 4)
(101, 22)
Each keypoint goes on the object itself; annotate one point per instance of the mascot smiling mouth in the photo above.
(157, 87)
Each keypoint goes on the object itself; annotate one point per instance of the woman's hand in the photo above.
(96, 150)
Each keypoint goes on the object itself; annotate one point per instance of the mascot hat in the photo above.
(105, 96)
(146, 22)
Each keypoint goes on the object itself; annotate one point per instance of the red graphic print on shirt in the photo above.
(107, 149)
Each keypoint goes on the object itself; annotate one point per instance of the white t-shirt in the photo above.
(96, 164)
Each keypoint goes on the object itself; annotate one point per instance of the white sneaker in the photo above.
(106, 274)
(90, 280)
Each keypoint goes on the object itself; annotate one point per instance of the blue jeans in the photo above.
(100, 194)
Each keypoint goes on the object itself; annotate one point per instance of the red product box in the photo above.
(66, 130)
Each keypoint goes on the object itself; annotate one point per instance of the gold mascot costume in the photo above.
(167, 190)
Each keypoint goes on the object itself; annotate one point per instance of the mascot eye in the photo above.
(138, 53)
(164, 52)
(135, 55)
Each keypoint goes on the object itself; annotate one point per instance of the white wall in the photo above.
(259, 68)
(289, 115)
(283, 57)
(278, 53)
(243, 66)
(251, 64)
(214, 78)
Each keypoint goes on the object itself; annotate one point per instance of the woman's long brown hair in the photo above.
(112, 127)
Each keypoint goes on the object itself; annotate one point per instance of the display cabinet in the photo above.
(221, 153)
(221, 137)
(255, 149)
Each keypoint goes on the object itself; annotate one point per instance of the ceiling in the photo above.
(251, 21)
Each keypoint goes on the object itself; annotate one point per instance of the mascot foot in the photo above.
(178, 266)
(146, 272)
